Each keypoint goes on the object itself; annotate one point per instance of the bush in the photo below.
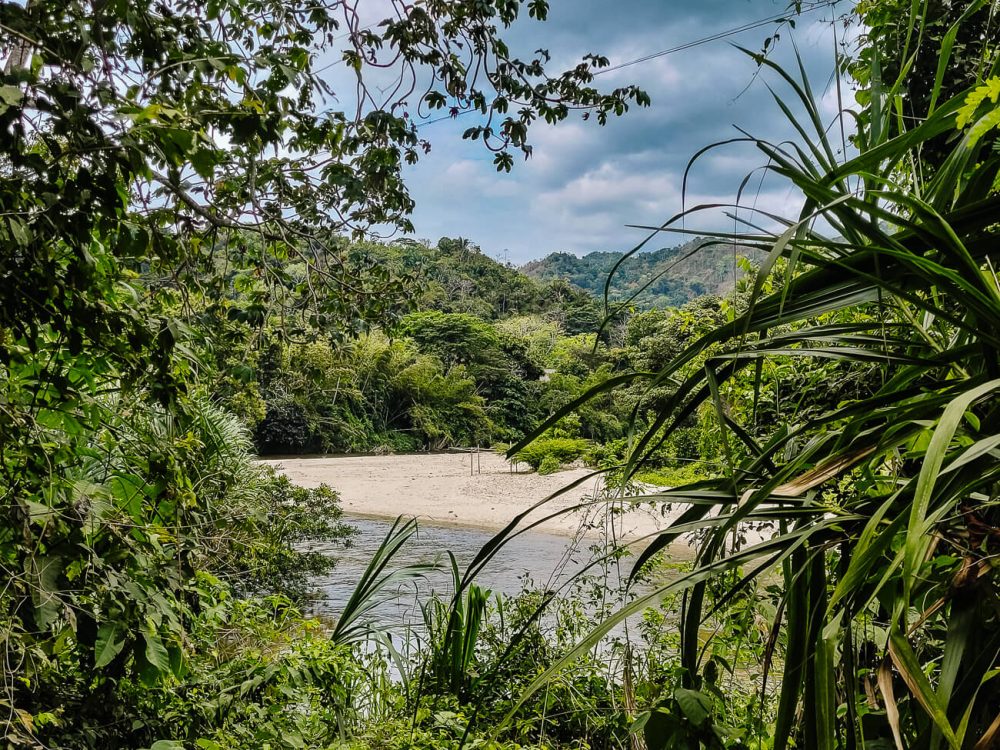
(279, 539)
(260, 675)
(550, 465)
(563, 450)
(675, 476)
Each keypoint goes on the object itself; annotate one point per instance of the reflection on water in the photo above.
(548, 560)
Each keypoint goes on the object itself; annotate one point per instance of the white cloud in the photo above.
(585, 183)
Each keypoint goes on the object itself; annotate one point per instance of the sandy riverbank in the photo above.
(439, 488)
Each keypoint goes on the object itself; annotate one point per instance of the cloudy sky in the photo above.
(585, 183)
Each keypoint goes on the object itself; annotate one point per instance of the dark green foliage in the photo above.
(903, 50)
(121, 585)
(285, 429)
(156, 156)
(258, 674)
(282, 540)
(499, 364)
(549, 465)
(444, 378)
(455, 276)
(371, 394)
(846, 398)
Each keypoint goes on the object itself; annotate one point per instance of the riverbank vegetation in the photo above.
(482, 364)
(179, 291)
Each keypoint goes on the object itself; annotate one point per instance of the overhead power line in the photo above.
(715, 37)
(749, 26)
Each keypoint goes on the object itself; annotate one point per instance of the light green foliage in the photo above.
(403, 386)
(498, 362)
(674, 476)
(440, 730)
(371, 393)
(454, 629)
(560, 449)
(456, 338)
(550, 464)
(985, 94)
(656, 337)
(539, 334)
(576, 355)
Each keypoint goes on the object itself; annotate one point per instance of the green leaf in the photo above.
(167, 745)
(156, 653)
(639, 722)
(909, 667)
(944, 56)
(108, 644)
(695, 705)
(917, 539)
(204, 160)
(11, 95)
(45, 572)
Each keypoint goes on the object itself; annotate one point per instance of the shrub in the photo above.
(675, 476)
(294, 686)
(285, 429)
(563, 450)
(550, 465)
(280, 538)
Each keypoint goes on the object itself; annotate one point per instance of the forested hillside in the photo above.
(667, 277)
(457, 359)
(456, 276)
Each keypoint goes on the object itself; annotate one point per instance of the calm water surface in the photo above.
(547, 560)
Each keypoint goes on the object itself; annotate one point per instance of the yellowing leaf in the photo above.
(990, 90)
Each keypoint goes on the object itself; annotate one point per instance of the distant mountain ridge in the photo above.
(710, 269)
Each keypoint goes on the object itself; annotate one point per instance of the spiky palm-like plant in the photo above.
(884, 504)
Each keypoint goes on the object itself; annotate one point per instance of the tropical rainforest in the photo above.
(189, 279)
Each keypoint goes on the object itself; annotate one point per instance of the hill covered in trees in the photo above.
(476, 352)
(456, 359)
(455, 276)
(674, 275)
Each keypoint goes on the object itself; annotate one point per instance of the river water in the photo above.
(543, 561)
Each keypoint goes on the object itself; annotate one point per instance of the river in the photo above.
(544, 561)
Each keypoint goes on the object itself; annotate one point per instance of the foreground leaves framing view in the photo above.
(843, 402)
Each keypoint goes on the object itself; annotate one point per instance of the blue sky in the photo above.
(585, 183)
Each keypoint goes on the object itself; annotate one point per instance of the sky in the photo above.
(585, 183)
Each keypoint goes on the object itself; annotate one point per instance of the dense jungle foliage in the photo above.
(483, 356)
(184, 283)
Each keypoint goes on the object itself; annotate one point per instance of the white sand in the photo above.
(439, 488)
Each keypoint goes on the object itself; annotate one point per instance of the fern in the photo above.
(988, 92)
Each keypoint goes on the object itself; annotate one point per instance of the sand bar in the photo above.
(439, 487)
